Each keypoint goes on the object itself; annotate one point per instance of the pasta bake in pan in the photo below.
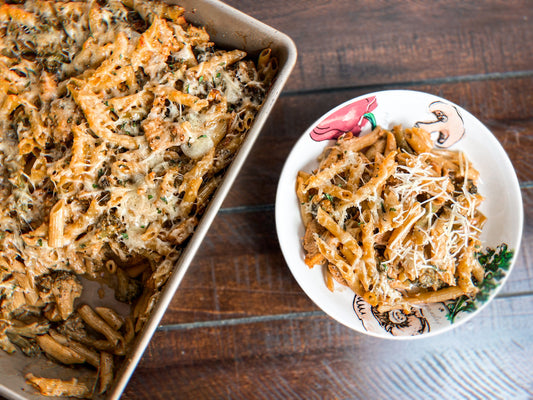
(393, 218)
(117, 121)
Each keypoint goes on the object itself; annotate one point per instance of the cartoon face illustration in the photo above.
(351, 118)
(395, 322)
(449, 123)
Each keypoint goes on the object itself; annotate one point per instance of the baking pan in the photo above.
(228, 28)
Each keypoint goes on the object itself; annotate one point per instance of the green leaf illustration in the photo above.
(496, 262)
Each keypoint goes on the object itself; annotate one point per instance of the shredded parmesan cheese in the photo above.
(412, 219)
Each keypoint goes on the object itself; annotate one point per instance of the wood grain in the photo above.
(344, 43)
(315, 357)
(238, 272)
(240, 327)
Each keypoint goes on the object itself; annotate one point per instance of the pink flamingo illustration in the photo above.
(351, 118)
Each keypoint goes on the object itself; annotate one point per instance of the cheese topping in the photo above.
(117, 121)
(401, 227)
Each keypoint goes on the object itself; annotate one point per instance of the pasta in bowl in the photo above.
(393, 219)
(391, 228)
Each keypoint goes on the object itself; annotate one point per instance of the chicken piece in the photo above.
(58, 387)
(312, 254)
(28, 347)
(62, 288)
(30, 330)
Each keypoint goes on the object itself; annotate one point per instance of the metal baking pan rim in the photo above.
(285, 43)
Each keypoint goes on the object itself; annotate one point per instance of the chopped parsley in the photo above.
(328, 196)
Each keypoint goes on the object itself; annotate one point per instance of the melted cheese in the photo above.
(424, 220)
(84, 125)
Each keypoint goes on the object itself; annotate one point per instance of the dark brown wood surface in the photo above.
(240, 327)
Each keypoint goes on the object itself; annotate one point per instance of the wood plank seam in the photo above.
(239, 321)
(436, 81)
(271, 207)
(277, 317)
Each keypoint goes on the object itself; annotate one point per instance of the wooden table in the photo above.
(240, 327)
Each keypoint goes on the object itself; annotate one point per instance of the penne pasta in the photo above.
(99, 325)
(56, 225)
(59, 387)
(114, 139)
(105, 373)
(58, 351)
(114, 320)
(399, 220)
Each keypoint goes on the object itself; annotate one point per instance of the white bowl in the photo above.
(498, 184)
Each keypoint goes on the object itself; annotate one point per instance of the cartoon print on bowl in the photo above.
(351, 118)
(395, 322)
(449, 123)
